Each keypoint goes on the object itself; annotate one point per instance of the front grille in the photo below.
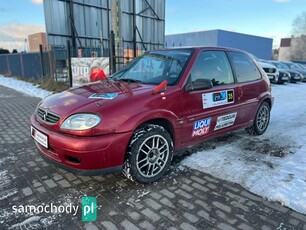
(269, 70)
(47, 116)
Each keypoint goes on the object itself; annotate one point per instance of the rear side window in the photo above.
(244, 67)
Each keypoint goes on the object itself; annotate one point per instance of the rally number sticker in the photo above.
(217, 98)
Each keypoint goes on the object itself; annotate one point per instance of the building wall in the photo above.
(259, 46)
(202, 38)
(35, 40)
(284, 54)
(94, 19)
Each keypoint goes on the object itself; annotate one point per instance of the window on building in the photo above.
(244, 67)
(213, 65)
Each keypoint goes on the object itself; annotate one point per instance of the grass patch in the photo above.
(54, 86)
(48, 84)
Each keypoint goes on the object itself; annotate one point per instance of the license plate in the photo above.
(271, 77)
(284, 78)
(39, 137)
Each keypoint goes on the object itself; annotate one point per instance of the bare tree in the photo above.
(298, 43)
(299, 25)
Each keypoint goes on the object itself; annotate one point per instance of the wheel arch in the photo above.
(269, 101)
(163, 122)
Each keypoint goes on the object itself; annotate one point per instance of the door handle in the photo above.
(240, 92)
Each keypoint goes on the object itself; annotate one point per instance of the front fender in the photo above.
(141, 118)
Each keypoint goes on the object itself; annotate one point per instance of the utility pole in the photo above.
(134, 29)
(71, 14)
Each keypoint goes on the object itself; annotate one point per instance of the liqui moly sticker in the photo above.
(201, 127)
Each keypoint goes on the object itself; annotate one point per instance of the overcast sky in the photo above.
(268, 18)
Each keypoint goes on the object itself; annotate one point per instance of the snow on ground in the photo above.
(23, 87)
(272, 165)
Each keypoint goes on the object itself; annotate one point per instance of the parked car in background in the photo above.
(283, 77)
(271, 71)
(162, 101)
(298, 68)
(302, 67)
(295, 76)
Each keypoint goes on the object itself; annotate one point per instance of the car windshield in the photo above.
(294, 66)
(302, 66)
(280, 65)
(154, 67)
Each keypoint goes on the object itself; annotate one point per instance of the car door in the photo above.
(250, 84)
(211, 110)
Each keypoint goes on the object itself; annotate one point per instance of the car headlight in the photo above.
(81, 121)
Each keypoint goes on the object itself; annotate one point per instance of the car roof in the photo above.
(204, 48)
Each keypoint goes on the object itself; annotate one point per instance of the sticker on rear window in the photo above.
(106, 96)
(217, 98)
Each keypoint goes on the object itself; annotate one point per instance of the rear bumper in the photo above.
(84, 155)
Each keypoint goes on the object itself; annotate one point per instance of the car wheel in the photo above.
(149, 154)
(261, 121)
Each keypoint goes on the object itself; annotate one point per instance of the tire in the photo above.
(261, 121)
(149, 154)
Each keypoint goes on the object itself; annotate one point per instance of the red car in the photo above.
(160, 102)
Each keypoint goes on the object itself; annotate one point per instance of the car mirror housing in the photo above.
(199, 84)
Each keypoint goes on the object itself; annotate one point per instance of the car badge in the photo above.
(45, 115)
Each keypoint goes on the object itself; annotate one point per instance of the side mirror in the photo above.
(199, 84)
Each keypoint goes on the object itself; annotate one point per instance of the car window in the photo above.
(245, 68)
(214, 66)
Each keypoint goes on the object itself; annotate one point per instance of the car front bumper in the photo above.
(84, 155)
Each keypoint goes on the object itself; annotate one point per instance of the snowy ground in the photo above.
(272, 165)
(23, 87)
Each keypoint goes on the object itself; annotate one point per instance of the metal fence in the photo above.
(26, 65)
(53, 64)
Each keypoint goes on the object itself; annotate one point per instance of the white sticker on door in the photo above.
(225, 121)
(217, 98)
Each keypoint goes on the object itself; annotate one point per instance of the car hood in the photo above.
(301, 71)
(284, 71)
(291, 71)
(266, 65)
(91, 97)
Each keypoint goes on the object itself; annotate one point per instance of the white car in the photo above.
(271, 71)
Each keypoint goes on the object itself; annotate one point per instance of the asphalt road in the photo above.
(184, 199)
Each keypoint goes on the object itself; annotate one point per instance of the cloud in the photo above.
(38, 2)
(12, 36)
(281, 1)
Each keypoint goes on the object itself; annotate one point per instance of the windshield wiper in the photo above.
(112, 78)
(129, 80)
